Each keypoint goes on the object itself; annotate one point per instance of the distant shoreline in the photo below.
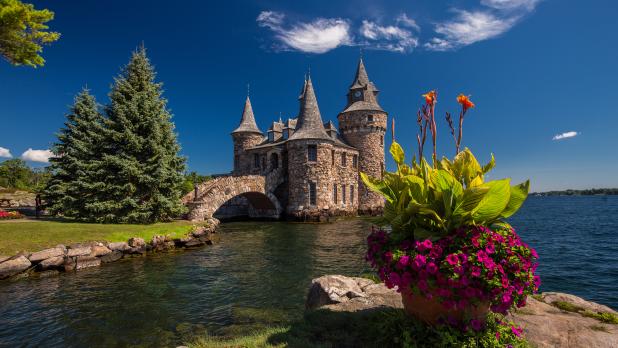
(588, 192)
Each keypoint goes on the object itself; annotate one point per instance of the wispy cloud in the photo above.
(404, 20)
(390, 37)
(467, 28)
(37, 155)
(510, 4)
(565, 135)
(5, 153)
(318, 36)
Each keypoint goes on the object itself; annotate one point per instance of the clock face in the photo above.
(357, 94)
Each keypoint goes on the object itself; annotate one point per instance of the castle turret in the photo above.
(309, 152)
(245, 136)
(362, 124)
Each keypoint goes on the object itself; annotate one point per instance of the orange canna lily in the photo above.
(430, 97)
(465, 102)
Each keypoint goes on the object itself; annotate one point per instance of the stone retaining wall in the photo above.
(85, 255)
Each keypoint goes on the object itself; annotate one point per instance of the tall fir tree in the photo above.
(143, 172)
(76, 160)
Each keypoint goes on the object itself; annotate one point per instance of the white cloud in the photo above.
(404, 20)
(389, 38)
(319, 36)
(510, 4)
(5, 152)
(565, 135)
(468, 28)
(37, 155)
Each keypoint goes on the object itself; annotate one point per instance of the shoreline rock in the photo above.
(79, 256)
(544, 324)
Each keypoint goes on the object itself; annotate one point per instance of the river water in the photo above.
(259, 272)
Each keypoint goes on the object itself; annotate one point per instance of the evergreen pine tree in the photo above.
(143, 173)
(76, 160)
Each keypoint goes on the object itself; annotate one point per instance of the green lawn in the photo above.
(18, 235)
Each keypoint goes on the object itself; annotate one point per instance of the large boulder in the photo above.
(82, 262)
(13, 266)
(111, 257)
(137, 242)
(46, 254)
(118, 246)
(341, 293)
(544, 324)
(79, 251)
(100, 250)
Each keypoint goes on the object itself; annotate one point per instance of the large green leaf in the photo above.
(378, 186)
(489, 166)
(519, 193)
(493, 202)
(397, 153)
(466, 167)
(472, 196)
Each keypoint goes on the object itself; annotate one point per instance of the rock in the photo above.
(79, 251)
(51, 263)
(136, 242)
(111, 257)
(544, 325)
(13, 266)
(118, 246)
(69, 264)
(100, 250)
(193, 242)
(4, 258)
(46, 254)
(86, 261)
(198, 231)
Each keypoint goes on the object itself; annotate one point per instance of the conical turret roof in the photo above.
(361, 79)
(363, 94)
(247, 122)
(310, 125)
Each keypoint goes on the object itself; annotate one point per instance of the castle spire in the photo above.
(361, 79)
(310, 125)
(247, 121)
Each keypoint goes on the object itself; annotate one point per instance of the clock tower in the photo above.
(362, 124)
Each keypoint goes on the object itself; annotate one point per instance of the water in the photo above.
(258, 274)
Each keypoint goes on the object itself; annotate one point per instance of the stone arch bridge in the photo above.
(258, 190)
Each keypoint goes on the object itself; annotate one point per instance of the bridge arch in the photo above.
(210, 196)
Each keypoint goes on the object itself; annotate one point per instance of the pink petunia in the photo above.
(431, 268)
(452, 259)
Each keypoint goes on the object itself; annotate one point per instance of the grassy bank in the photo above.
(18, 235)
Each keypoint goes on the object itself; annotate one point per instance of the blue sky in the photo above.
(535, 69)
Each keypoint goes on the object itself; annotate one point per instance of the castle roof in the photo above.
(361, 79)
(310, 125)
(370, 92)
(247, 121)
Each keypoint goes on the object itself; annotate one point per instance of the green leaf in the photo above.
(493, 202)
(519, 193)
(397, 153)
(489, 166)
(378, 186)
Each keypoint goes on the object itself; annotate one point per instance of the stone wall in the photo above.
(368, 137)
(79, 256)
(243, 162)
(325, 174)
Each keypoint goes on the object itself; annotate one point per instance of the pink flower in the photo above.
(426, 244)
(436, 251)
(388, 256)
(419, 261)
(516, 331)
(537, 281)
(481, 255)
(477, 325)
(459, 270)
(476, 271)
(490, 249)
(506, 298)
(452, 259)
(394, 278)
(403, 261)
(431, 268)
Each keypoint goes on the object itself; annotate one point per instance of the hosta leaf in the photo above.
(519, 193)
(493, 202)
(397, 153)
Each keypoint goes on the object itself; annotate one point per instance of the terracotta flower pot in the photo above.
(430, 311)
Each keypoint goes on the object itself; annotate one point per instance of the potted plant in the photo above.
(448, 249)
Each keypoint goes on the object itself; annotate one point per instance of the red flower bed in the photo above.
(7, 215)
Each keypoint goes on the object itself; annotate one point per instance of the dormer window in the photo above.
(312, 153)
(344, 159)
(286, 133)
(271, 136)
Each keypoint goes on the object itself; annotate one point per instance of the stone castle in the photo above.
(313, 166)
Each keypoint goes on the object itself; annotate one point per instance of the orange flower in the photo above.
(430, 97)
(465, 102)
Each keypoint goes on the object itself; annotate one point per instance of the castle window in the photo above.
(335, 198)
(333, 156)
(352, 194)
(263, 162)
(286, 133)
(382, 140)
(256, 160)
(343, 194)
(271, 136)
(370, 118)
(312, 193)
(355, 161)
(236, 162)
(312, 153)
(274, 161)
(344, 159)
